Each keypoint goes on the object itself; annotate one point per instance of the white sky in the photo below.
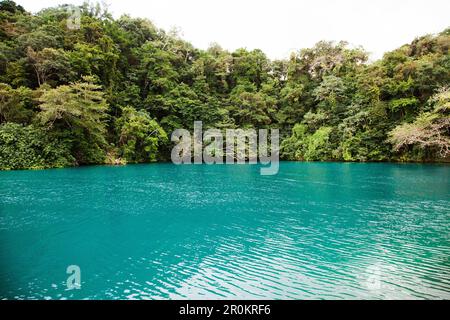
(280, 26)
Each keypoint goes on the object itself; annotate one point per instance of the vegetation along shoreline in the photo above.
(111, 91)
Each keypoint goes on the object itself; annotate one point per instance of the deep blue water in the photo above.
(160, 231)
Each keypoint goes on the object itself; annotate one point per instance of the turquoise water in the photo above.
(160, 231)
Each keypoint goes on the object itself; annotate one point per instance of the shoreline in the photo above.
(443, 162)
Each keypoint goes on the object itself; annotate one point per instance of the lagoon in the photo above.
(161, 231)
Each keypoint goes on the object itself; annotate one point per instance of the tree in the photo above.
(328, 101)
(78, 111)
(140, 136)
(50, 63)
(430, 131)
(292, 148)
(15, 104)
(250, 67)
(30, 147)
(11, 6)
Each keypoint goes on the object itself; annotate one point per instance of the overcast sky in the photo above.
(280, 26)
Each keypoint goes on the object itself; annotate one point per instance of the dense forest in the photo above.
(112, 91)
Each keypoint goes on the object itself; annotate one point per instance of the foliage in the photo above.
(429, 131)
(77, 111)
(308, 147)
(15, 104)
(111, 90)
(29, 147)
(139, 136)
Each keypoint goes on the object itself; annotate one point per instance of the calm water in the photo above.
(160, 231)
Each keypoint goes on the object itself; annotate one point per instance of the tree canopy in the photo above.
(111, 90)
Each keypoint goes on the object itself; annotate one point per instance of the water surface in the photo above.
(160, 231)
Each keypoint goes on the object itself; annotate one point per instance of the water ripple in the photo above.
(314, 231)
